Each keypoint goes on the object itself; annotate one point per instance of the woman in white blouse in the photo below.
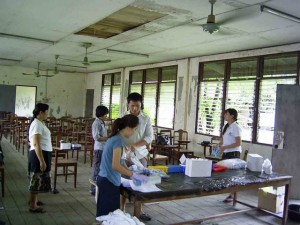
(39, 157)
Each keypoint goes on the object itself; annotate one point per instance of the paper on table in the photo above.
(144, 188)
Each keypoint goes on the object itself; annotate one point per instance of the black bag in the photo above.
(40, 182)
(163, 140)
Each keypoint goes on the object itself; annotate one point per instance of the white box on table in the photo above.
(271, 198)
(76, 146)
(65, 146)
(254, 162)
(198, 167)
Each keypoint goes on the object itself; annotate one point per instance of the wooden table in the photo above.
(179, 186)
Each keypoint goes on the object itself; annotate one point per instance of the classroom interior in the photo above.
(189, 67)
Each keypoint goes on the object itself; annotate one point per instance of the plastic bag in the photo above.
(233, 164)
(215, 152)
(267, 166)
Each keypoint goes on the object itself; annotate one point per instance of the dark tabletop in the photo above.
(179, 184)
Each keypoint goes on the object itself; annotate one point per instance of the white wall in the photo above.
(186, 98)
(65, 91)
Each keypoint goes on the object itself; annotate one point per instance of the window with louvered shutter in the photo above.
(157, 86)
(166, 105)
(150, 101)
(111, 90)
(210, 98)
(241, 93)
(105, 98)
(278, 69)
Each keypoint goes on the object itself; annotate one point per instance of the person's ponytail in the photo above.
(121, 123)
(116, 127)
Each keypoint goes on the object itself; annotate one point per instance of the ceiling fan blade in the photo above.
(238, 15)
(29, 74)
(46, 75)
(84, 67)
(101, 61)
(72, 60)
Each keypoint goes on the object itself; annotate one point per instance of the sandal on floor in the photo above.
(145, 217)
(228, 199)
(38, 203)
(37, 210)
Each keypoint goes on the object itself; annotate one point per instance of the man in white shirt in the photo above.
(143, 136)
(140, 141)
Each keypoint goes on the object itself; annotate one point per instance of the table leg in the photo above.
(137, 208)
(234, 198)
(285, 206)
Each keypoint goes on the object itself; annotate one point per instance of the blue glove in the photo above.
(138, 179)
(133, 168)
(147, 172)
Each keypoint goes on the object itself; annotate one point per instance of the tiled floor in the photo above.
(75, 206)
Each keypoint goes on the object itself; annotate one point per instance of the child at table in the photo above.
(113, 165)
(99, 133)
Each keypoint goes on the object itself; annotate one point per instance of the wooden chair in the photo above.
(65, 164)
(155, 157)
(161, 153)
(89, 148)
(2, 179)
(21, 133)
(182, 141)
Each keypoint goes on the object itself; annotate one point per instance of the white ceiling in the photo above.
(174, 36)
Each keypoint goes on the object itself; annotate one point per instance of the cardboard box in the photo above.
(271, 199)
(254, 162)
(198, 167)
(65, 146)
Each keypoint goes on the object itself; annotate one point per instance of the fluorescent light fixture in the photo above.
(127, 53)
(27, 38)
(11, 60)
(276, 12)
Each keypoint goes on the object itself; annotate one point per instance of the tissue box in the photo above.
(65, 146)
(254, 162)
(76, 146)
(271, 199)
(198, 167)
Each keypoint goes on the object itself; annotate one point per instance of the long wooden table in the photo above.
(179, 186)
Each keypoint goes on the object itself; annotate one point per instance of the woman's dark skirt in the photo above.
(34, 170)
(108, 197)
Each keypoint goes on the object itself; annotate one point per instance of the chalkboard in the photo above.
(7, 98)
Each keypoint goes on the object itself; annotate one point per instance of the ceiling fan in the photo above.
(37, 73)
(86, 61)
(56, 71)
(211, 26)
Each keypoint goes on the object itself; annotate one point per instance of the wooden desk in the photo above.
(179, 186)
